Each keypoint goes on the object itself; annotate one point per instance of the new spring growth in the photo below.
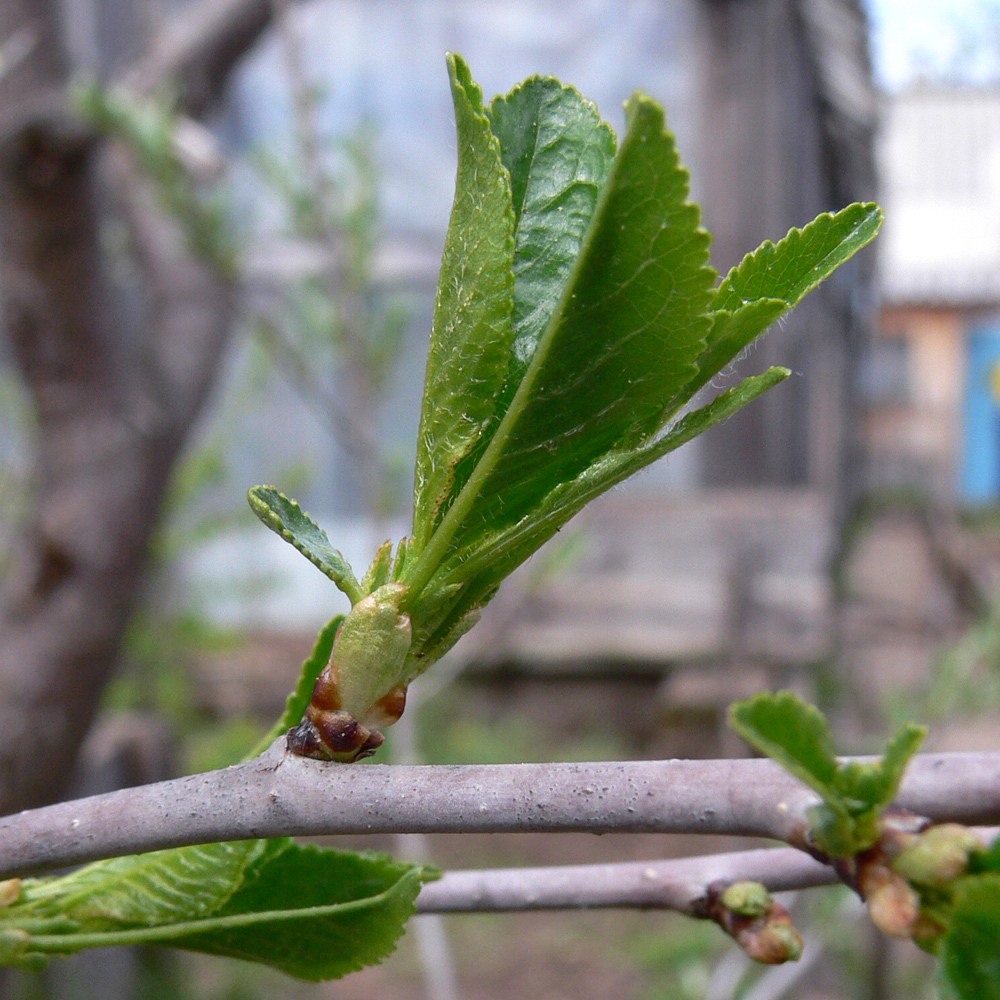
(362, 687)
(763, 929)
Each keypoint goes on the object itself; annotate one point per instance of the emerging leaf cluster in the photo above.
(576, 317)
(855, 794)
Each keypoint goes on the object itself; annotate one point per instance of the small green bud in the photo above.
(938, 856)
(369, 656)
(748, 899)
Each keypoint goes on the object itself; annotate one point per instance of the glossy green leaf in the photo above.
(499, 553)
(316, 914)
(471, 336)
(629, 325)
(794, 266)
(460, 595)
(970, 952)
(287, 519)
(559, 154)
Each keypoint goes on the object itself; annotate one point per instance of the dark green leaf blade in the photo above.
(287, 519)
(342, 911)
(987, 860)
(559, 154)
(792, 732)
(470, 343)
(970, 952)
(774, 278)
(499, 553)
(731, 333)
(798, 263)
(629, 326)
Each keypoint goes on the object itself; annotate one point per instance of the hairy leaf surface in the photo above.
(775, 277)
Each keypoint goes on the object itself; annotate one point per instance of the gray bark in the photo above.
(281, 794)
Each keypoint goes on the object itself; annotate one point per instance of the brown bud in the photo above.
(10, 891)
(387, 710)
(894, 907)
(333, 736)
(773, 944)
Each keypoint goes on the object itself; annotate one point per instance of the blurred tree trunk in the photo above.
(113, 405)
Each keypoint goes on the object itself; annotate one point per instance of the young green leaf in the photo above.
(161, 887)
(873, 786)
(559, 154)
(286, 518)
(970, 952)
(623, 340)
(792, 732)
(774, 278)
(332, 912)
(471, 336)
(855, 793)
(501, 552)
(312, 913)
(793, 267)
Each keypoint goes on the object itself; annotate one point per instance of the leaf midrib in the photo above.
(434, 553)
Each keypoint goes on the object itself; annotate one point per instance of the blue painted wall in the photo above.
(981, 461)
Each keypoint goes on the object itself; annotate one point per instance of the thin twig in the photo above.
(679, 884)
(280, 794)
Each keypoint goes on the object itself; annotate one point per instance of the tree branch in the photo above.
(198, 50)
(677, 884)
(280, 794)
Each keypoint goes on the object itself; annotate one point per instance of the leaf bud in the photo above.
(938, 856)
(894, 906)
(774, 944)
(748, 899)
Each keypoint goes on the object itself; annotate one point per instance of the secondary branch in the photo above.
(677, 884)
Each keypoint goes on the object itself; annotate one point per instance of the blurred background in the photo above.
(221, 222)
